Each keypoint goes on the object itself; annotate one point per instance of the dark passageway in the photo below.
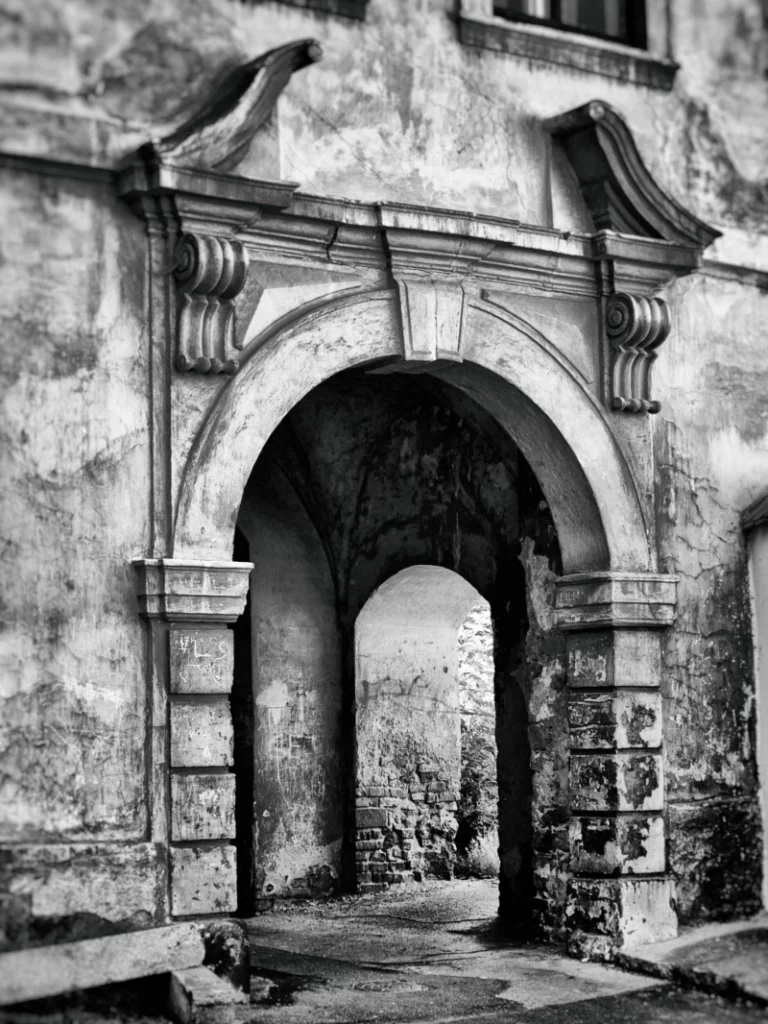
(372, 476)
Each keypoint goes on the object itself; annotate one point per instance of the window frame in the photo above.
(636, 36)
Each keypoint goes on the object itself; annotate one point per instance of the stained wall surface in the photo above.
(398, 110)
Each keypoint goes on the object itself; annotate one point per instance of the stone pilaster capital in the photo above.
(596, 600)
(181, 590)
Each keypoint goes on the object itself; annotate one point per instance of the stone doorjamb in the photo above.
(619, 894)
(188, 606)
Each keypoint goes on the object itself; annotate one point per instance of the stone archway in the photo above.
(610, 603)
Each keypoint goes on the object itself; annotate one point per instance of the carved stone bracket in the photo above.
(635, 327)
(211, 273)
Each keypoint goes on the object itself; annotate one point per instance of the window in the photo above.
(620, 20)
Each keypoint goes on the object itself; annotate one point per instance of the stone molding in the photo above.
(210, 272)
(636, 327)
(620, 191)
(175, 590)
(554, 46)
(616, 599)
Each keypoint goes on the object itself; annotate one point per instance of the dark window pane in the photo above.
(601, 17)
(529, 8)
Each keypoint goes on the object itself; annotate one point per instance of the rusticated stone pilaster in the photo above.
(619, 893)
(188, 605)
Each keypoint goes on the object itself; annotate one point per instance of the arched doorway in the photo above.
(366, 479)
(607, 834)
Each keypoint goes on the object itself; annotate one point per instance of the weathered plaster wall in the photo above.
(298, 746)
(711, 441)
(75, 470)
(758, 550)
(399, 109)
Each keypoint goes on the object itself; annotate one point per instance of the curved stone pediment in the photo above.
(217, 136)
(620, 191)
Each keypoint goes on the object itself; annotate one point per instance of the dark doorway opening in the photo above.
(369, 476)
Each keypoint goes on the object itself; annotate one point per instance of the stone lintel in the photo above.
(609, 913)
(615, 720)
(586, 601)
(176, 590)
(618, 781)
(626, 844)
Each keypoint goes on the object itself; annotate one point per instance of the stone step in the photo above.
(45, 971)
(198, 996)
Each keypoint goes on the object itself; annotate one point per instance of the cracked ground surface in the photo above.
(432, 953)
(428, 953)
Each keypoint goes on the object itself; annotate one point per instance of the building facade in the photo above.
(302, 296)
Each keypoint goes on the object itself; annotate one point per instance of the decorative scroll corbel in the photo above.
(635, 327)
(211, 273)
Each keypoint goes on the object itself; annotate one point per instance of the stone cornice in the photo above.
(596, 600)
(275, 219)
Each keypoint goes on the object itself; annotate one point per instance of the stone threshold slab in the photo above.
(45, 971)
(729, 959)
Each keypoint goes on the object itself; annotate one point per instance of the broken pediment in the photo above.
(620, 191)
(218, 135)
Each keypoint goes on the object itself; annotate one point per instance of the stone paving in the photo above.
(432, 953)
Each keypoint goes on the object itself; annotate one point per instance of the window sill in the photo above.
(595, 56)
(343, 8)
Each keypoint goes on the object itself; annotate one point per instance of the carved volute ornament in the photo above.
(211, 273)
(636, 327)
(644, 236)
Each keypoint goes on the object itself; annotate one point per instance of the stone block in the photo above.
(201, 735)
(617, 782)
(198, 996)
(611, 913)
(227, 951)
(619, 720)
(202, 807)
(617, 845)
(75, 886)
(203, 880)
(371, 817)
(614, 657)
(201, 660)
(46, 971)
